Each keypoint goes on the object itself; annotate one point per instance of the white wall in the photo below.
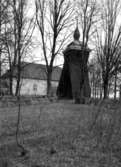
(33, 86)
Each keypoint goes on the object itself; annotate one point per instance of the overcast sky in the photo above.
(37, 53)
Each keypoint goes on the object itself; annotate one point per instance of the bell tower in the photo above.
(71, 77)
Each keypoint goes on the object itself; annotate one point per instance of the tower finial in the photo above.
(76, 21)
(76, 32)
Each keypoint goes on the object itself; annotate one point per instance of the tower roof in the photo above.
(76, 44)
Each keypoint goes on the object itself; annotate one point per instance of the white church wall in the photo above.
(34, 86)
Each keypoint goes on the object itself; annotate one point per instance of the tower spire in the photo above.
(76, 32)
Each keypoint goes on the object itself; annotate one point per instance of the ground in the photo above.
(54, 134)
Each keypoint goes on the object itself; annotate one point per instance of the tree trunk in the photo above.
(17, 86)
(0, 54)
(100, 90)
(93, 86)
(109, 88)
(18, 80)
(18, 68)
(105, 87)
(49, 76)
(115, 85)
(120, 92)
(95, 90)
(0, 76)
(11, 81)
(11, 85)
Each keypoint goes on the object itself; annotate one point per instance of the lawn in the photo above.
(54, 134)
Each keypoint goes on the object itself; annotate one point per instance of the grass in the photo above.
(55, 135)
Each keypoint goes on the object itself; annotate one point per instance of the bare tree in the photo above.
(18, 39)
(53, 19)
(88, 18)
(88, 12)
(108, 41)
(3, 18)
(95, 78)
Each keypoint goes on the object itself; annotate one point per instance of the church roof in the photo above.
(35, 71)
